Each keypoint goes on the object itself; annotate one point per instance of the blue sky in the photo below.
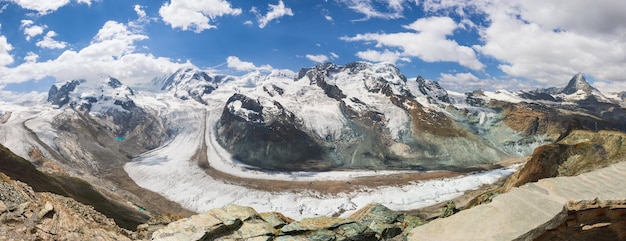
(465, 45)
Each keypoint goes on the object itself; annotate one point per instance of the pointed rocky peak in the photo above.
(432, 90)
(577, 83)
(59, 94)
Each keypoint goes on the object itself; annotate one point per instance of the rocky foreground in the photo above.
(29, 215)
(591, 206)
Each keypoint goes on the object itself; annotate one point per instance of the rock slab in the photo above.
(527, 212)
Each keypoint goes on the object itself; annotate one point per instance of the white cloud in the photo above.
(5, 48)
(275, 12)
(45, 6)
(110, 53)
(458, 77)
(469, 82)
(48, 41)
(248, 22)
(234, 62)
(31, 57)
(391, 9)
(549, 41)
(140, 12)
(31, 30)
(320, 58)
(142, 18)
(428, 41)
(328, 18)
(381, 57)
(4, 7)
(195, 15)
(333, 55)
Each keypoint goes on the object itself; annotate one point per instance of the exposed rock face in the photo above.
(268, 136)
(19, 169)
(579, 152)
(59, 96)
(433, 91)
(527, 212)
(578, 83)
(374, 222)
(26, 215)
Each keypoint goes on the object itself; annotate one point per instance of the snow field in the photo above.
(170, 171)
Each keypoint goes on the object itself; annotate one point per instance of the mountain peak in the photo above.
(577, 83)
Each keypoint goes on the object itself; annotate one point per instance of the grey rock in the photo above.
(47, 208)
(277, 220)
(313, 224)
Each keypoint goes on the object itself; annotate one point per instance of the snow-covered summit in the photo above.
(356, 76)
(576, 84)
(578, 89)
(92, 95)
(190, 83)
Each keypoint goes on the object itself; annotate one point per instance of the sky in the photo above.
(464, 45)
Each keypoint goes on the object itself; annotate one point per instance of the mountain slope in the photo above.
(17, 168)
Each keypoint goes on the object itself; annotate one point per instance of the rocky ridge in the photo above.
(29, 215)
(374, 222)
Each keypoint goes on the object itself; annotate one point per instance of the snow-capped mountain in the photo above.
(324, 122)
(190, 83)
(92, 96)
(578, 89)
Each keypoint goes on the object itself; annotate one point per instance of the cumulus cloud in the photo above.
(195, 15)
(458, 77)
(142, 17)
(140, 12)
(275, 12)
(390, 9)
(320, 58)
(234, 62)
(427, 41)
(45, 6)
(110, 53)
(31, 57)
(469, 82)
(31, 30)
(48, 42)
(5, 57)
(382, 57)
(549, 41)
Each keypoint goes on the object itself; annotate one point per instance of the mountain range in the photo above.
(326, 122)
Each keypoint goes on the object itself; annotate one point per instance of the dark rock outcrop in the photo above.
(272, 141)
(59, 96)
(433, 91)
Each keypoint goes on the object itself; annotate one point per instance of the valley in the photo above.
(327, 141)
